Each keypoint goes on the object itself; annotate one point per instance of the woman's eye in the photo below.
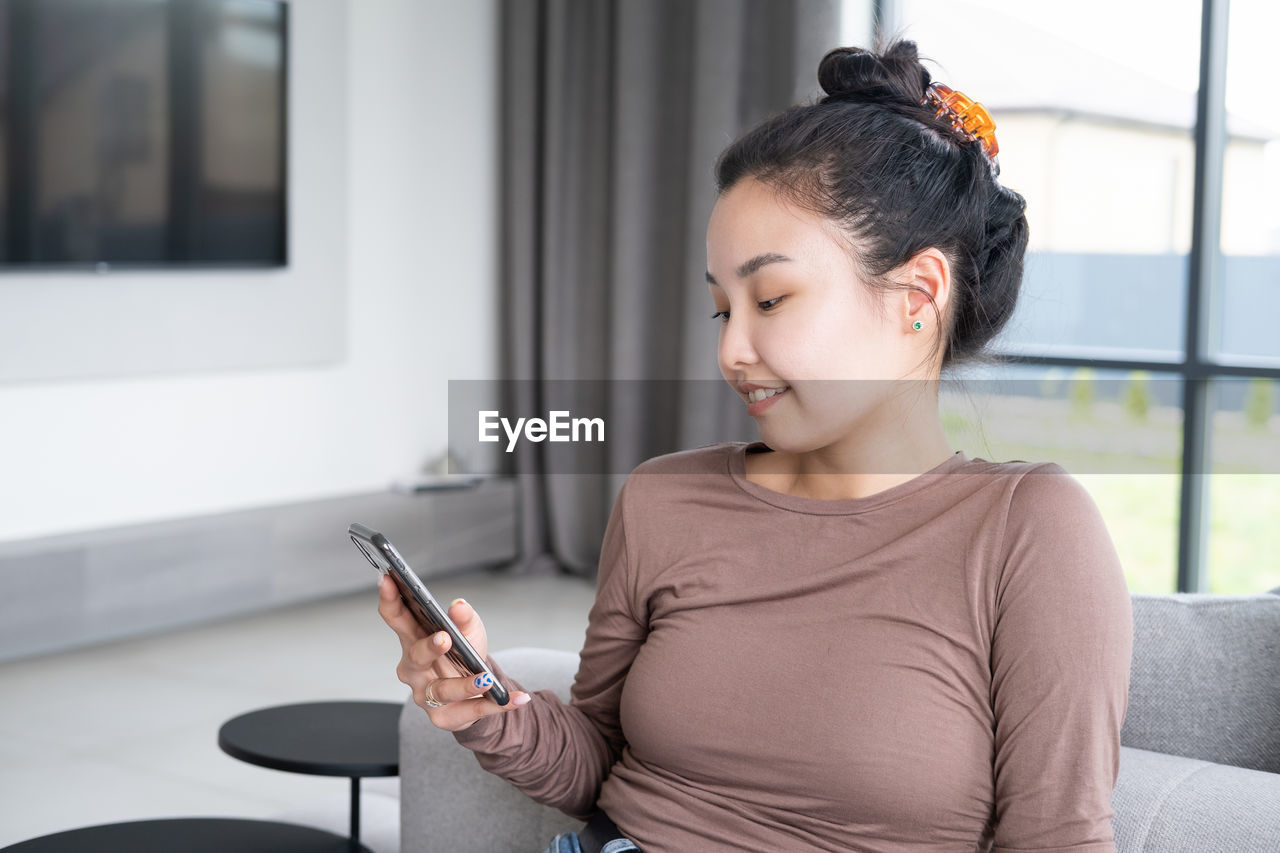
(764, 306)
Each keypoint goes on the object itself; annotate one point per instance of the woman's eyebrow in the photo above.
(754, 264)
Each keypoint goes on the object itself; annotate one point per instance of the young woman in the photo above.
(845, 636)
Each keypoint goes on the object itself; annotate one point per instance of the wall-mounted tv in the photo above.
(143, 133)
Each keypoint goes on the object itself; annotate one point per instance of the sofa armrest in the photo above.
(1170, 804)
(449, 803)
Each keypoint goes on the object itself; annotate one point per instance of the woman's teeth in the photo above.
(763, 393)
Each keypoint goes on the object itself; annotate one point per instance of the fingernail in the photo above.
(438, 639)
(520, 699)
(483, 681)
(456, 601)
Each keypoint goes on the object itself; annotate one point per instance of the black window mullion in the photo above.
(880, 21)
(1203, 289)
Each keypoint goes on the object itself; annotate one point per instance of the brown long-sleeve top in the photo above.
(941, 666)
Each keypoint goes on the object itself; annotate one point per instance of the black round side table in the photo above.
(191, 835)
(352, 739)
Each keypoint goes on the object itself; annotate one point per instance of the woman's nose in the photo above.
(736, 347)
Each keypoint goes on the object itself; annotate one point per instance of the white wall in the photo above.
(420, 164)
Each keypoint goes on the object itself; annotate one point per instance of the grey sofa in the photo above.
(1199, 764)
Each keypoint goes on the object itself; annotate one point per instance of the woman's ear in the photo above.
(928, 272)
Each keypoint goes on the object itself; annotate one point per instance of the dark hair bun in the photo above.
(854, 74)
(999, 265)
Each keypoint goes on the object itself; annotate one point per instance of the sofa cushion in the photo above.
(1170, 804)
(1205, 681)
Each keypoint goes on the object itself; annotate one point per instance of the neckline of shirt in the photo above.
(736, 461)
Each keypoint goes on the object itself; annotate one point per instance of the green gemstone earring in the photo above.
(917, 325)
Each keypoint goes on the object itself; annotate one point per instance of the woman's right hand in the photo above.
(423, 665)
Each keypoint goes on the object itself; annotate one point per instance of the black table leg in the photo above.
(355, 808)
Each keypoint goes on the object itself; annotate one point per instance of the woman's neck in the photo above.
(856, 466)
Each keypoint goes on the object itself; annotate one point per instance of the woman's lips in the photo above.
(755, 407)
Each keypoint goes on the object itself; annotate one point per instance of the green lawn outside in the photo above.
(1129, 467)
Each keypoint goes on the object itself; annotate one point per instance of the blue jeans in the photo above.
(567, 842)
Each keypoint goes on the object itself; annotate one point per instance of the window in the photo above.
(1144, 355)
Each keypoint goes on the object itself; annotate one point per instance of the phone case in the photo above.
(384, 557)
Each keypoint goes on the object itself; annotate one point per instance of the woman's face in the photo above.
(801, 317)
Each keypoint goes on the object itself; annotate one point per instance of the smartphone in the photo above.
(384, 557)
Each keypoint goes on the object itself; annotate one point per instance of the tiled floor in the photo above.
(129, 730)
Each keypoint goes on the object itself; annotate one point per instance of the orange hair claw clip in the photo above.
(967, 116)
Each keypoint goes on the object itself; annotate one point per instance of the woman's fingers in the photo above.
(459, 702)
(457, 716)
(424, 661)
(460, 688)
(452, 701)
(395, 614)
(468, 622)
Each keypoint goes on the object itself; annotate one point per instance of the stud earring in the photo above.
(917, 325)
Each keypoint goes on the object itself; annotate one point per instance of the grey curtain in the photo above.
(612, 114)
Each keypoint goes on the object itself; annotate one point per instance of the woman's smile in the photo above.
(762, 399)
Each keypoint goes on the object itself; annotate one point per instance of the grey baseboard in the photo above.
(62, 592)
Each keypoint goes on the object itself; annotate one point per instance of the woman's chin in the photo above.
(802, 435)
(782, 439)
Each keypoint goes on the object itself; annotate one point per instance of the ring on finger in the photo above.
(429, 698)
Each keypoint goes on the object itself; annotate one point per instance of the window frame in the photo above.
(1198, 367)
